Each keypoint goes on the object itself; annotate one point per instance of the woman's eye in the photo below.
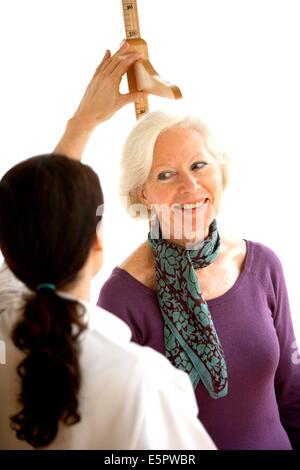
(198, 165)
(164, 175)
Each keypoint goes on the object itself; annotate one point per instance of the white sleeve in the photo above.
(8, 282)
(11, 289)
(168, 411)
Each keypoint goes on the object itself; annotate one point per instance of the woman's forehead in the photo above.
(178, 144)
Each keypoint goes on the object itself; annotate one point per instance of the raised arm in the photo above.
(101, 100)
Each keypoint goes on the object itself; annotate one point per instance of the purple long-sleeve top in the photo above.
(253, 323)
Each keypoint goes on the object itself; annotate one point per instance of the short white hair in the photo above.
(138, 150)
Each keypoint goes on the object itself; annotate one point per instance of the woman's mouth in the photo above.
(193, 205)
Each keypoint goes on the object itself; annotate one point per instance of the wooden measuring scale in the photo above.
(142, 76)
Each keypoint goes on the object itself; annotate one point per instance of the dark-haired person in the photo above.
(64, 385)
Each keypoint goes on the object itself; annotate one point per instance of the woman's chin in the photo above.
(186, 231)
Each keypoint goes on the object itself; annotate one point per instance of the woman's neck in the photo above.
(188, 243)
(80, 289)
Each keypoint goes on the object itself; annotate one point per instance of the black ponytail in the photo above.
(50, 372)
(48, 221)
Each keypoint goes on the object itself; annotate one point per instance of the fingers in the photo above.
(107, 56)
(124, 63)
(122, 50)
(123, 44)
(119, 63)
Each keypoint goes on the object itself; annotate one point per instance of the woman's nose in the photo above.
(189, 184)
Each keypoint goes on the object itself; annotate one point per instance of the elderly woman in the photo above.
(216, 307)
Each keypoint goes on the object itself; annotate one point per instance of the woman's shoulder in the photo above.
(12, 296)
(255, 258)
(102, 322)
(129, 284)
(263, 255)
(140, 265)
(255, 253)
(264, 265)
(110, 339)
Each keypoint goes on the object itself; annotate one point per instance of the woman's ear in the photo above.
(98, 242)
(96, 252)
(142, 196)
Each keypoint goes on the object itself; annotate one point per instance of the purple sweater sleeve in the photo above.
(287, 377)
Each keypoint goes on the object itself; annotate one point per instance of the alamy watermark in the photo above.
(2, 352)
(185, 222)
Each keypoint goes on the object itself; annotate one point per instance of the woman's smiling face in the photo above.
(185, 185)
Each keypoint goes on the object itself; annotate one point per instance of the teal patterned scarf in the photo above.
(191, 341)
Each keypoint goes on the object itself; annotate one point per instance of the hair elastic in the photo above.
(45, 285)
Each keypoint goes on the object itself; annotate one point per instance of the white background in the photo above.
(236, 62)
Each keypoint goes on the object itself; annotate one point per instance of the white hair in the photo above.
(139, 148)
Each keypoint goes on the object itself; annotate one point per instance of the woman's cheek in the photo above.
(160, 194)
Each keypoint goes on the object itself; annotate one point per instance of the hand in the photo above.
(100, 101)
(102, 97)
